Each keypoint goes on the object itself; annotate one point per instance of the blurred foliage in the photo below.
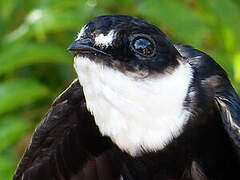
(35, 65)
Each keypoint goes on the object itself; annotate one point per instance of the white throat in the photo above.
(135, 114)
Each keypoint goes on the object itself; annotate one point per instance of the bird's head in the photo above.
(127, 44)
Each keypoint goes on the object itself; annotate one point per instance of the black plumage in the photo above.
(68, 145)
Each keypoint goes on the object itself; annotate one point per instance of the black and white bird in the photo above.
(141, 109)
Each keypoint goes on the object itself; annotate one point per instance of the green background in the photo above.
(35, 65)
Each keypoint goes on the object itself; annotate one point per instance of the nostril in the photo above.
(86, 41)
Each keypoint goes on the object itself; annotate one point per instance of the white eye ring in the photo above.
(142, 45)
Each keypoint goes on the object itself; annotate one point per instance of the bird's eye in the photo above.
(143, 45)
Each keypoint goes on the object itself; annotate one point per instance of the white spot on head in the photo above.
(81, 32)
(135, 114)
(105, 40)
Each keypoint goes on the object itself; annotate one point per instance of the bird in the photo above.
(141, 108)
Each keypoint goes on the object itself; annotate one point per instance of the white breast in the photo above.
(136, 114)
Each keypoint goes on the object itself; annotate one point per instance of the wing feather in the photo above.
(66, 139)
(212, 76)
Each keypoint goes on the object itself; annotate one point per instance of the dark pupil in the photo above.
(143, 46)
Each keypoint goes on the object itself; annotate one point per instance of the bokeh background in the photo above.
(35, 65)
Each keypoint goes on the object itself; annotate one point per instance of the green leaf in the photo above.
(226, 14)
(225, 10)
(24, 54)
(7, 8)
(40, 22)
(228, 37)
(14, 94)
(11, 129)
(236, 63)
(7, 166)
(179, 20)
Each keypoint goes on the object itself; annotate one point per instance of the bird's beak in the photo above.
(80, 44)
(84, 46)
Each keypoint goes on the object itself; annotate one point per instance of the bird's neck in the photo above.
(136, 113)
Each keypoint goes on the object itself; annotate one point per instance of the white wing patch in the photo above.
(105, 40)
(135, 114)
